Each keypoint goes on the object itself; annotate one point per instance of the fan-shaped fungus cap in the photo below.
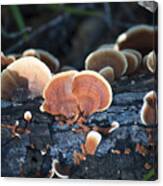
(136, 53)
(51, 61)
(28, 73)
(140, 37)
(132, 62)
(148, 111)
(92, 91)
(103, 58)
(27, 116)
(58, 96)
(150, 61)
(108, 73)
(93, 139)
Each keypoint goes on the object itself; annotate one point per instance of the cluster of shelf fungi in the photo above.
(69, 119)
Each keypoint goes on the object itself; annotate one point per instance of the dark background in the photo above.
(69, 31)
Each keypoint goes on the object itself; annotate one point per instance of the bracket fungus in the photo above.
(150, 61)
(72, 96)
(108, 73)
(148, 112)
(108, 57)
(140, 37)
(132, 62)
(46, 57)
(93, 92)
(59, 99)
(27, 73)
(136, 53)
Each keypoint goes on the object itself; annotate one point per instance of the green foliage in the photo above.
(149, 175)
(18, 18)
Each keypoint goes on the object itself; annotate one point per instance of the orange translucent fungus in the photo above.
(93, 92)
(58, 96)
(73, 95)
(92, 141)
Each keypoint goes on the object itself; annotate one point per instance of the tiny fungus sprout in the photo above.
(46, 57)
(28, 73)
(114, 126)
(99, 59)
(140, 37)
(148, 112)
(27, 116)
(93, 139)
(108, 73)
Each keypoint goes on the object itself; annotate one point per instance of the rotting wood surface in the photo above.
(43, 139)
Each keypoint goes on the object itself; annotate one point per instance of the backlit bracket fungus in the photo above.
(132, 62)
(140, 37)
(150, 61)
(93, 139)
(59, 100)
(108, 73)
(136, 53)
(51, 61)
(27, 73)
(148, 112)
(93, 92)
(109, 57)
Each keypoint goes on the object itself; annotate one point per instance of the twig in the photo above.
(41, 29)
(15, 35)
